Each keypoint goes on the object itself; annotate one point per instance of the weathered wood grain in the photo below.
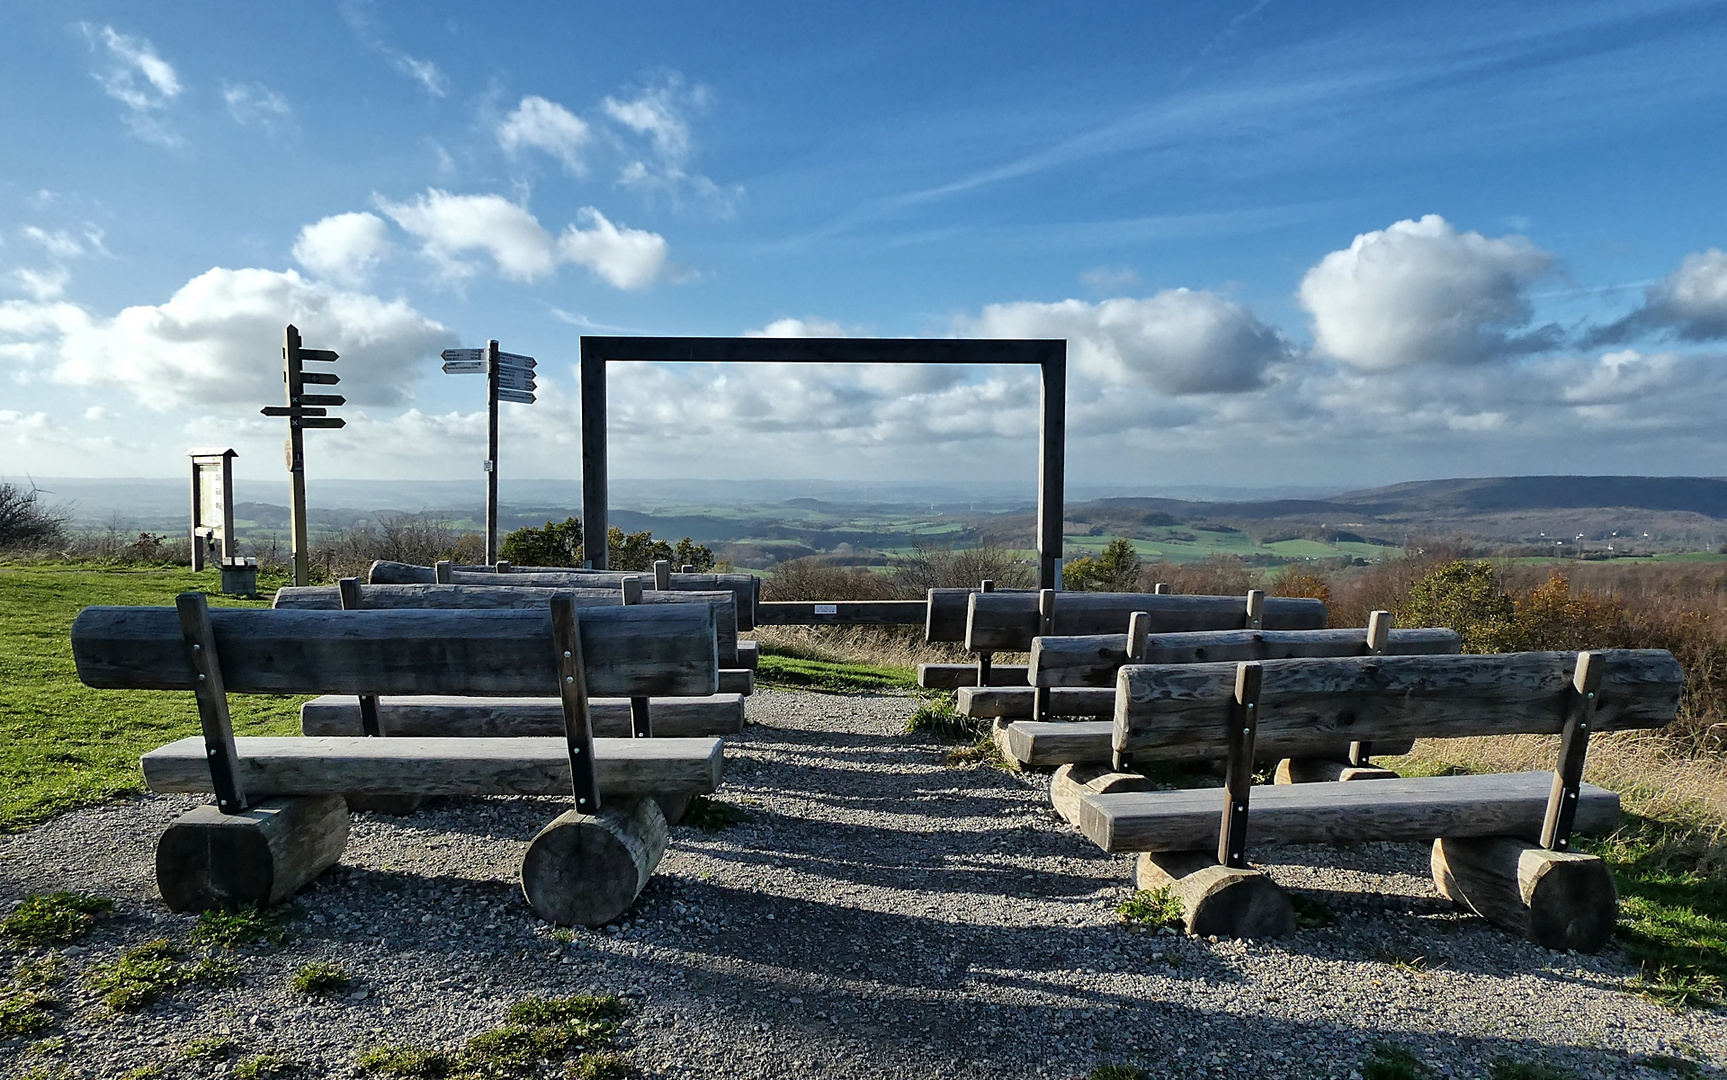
(586, 870)
(1093, 659)
(499, 597)
(1007, 622)
(653, 650)
(1314, 703)
(1559, 900)
(1073, 782)
(260, 856)
(1014, 702)
(945, 620)
(745, 588)
(1234, 902)
(1500, 804)
(954, 676)
(844, 613)
(749, 654)
(1046, 745)
(474, 717)
(736, 681)
(442, 766)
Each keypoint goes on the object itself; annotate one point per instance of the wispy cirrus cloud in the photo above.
(362, 21)
(133, 73)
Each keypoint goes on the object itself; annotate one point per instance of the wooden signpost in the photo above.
(303, 411)
(509, 377)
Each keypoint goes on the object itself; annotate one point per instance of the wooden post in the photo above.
(593, 394)
(641, 727)
(1238, 776)
(1557, 899)
(1378, 636)
(662, 574)
(444, 571)
(573, 690)
(1160, 589)
(212, 698)
(1217, 900)
(349, 589)
(502, 566)
(1255, 609)
(1573, 748)
(293, 377)
(258, 857)
(492, 452)
(1051, 468)
(1138, 627)
(689, 568)
(983, 658)
(1046, 628)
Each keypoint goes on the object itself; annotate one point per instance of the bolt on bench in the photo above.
(1501, 841)
(280, 818)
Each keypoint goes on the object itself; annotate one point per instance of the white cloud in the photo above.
(137, 77)
(345, 247)
(1690, 305)
(1421, 292)
(1177, 341)
(451, 225)
(59, 243)
(360, 19)
(659, 114)
(799, 328)
(41, 284)
(255, 103)
(217, 340)
(545, 125)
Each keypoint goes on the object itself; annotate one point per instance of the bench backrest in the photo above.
(662, 650)
(1315, 703)
(1094, 659)
(944, 620)
(1007, 622)
(484, 597)
(744, 587)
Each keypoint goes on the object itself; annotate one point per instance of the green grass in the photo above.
(711, 815)
(64, 745)
(144, 973)
(24, 1012)
(239, 926)
(1509, 1068)
(262, 1067)
(797, 673)
(321, 977)
(1152, 907)
(55, 918)
(936, 716)
(1389, 1061)
(537, 1032)
(208, 1046)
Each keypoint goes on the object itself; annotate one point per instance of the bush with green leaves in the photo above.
(1469, 598)
(558, 544)
(1116, 569)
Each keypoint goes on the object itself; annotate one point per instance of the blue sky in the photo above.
(1306, 245)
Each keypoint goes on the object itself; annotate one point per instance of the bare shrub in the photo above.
(1220, 575)
(811, 579)
(407, 538)
(25, 523)
(936, 567)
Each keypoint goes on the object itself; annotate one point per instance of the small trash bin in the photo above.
(240, 577)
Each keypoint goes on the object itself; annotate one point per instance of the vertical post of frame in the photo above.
(212, 697)
(1238, 774)
(594, 489)
(984, 658)
(573, 692)
(491, 452)
(1573, 748)
(1051, 466)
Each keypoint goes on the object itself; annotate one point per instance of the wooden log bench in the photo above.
(279, 817)
(1501, 843)
(1063, 665)
(955, 676)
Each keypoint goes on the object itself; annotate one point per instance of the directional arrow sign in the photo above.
(290, 410)
(520, 396)
(320, 378)
(463, 356)
(323, 399)
(327, 356)
(507, 359)
(464, 367)
(320, 422)
(510, 380)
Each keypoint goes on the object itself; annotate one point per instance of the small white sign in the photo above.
(827, 609)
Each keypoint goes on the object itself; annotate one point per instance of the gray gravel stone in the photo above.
(879, 915)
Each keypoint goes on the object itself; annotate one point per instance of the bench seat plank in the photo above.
(1093, 659)
(271, 767)
(1038, 744)
(477, 717)
(1013, 702)
(1423, 808)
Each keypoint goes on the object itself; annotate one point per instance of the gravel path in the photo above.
(879, 915)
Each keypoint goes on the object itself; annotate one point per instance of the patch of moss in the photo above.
(25, 1012)
(208, 1047)
(54, 919)
(142, 974)
(262, 1067)
(321, 977)
(711, 815)
(537, 1032)
(238, 926)
(1153, 907)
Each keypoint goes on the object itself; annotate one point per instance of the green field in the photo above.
(1179, 544)
(66, 745)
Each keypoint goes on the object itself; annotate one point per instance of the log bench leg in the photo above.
(393, 805)
(261, 856)
(588, 869)
(1557, 899)
(1071, 783)
(1325, 771)
(674, 807)
(1217, 899)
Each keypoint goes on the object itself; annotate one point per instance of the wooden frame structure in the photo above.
(1049, 355)
(213, 506)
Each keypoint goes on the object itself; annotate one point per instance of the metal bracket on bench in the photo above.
(983, 658)
(1045, 627)
(1573, 748)
(1378, 636)
(1238, 774)
(349, 590)
(641, 726)
(573, 690)
(212, 697)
